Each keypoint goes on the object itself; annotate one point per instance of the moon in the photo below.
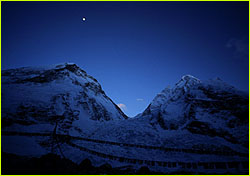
(83, 19)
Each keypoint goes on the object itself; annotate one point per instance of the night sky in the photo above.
(134, 49)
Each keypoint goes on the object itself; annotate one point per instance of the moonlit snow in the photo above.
(194, 115)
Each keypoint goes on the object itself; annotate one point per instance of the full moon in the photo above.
(83, 19)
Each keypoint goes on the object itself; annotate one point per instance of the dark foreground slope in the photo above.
(51, 164)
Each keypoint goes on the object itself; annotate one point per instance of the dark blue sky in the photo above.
(134, 49)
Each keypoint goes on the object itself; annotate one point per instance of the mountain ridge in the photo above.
(61, 90)
(62, 110)
(197, 105)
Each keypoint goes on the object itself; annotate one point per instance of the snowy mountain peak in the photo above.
(187, 81)
(63, 91)
(189, 77)
(47, 74)
(70, 67)
(193, 104)
(61, 109)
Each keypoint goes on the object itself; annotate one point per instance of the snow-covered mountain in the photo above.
(60, 109)
(211, 108)
(61, 94)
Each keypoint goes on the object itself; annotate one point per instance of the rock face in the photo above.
(61, 94)
(211, 108)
